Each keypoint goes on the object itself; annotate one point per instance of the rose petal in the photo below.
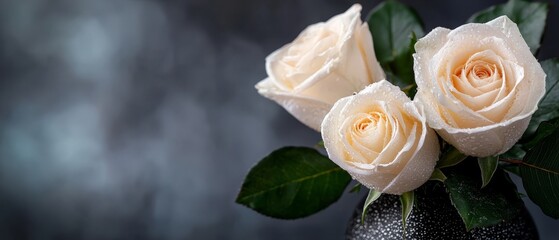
(414, 174)
(365, 43)
(308, 111)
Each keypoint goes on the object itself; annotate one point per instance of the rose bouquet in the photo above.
(480, 97)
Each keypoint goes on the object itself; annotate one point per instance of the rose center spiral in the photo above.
(369, 122)
(482, 71)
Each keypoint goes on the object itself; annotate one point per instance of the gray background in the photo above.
(137, 119)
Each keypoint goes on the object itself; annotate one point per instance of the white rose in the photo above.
(381, 138)
(326, 62)
(479, 84)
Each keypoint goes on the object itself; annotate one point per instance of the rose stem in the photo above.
(520, 162)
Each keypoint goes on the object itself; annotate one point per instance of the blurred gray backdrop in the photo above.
(138, 119)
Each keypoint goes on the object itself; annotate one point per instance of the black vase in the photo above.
(433, 217)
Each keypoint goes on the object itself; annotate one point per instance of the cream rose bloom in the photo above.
(381, 138)
(326, 62)
(479, 84)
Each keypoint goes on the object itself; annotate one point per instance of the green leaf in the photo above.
(516, 152)
(371, 197)
(400, 70)
(356, 188)
(487, 165)
(293, 182)
(512, 168)
(495, 203)
(438, 175)
(320, 144)
(407, 199)
(410, 90)
(540, 174)
(529, 16)
(395, 28)
(391, 24)
(450, 157)
(548, 108)
(545, 129)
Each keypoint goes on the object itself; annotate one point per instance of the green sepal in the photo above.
(450, 157)
(407, 200)
(371, 197)
(487, 166)
(438, 175)
(356, 188)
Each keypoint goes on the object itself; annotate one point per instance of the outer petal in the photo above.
(425, 49)
(534, 89)
(309, 111)
(329, 130)
(419, 168)
(366, 46)
(328, 85)
(344, 73)
(350, 70)
(486, 141)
